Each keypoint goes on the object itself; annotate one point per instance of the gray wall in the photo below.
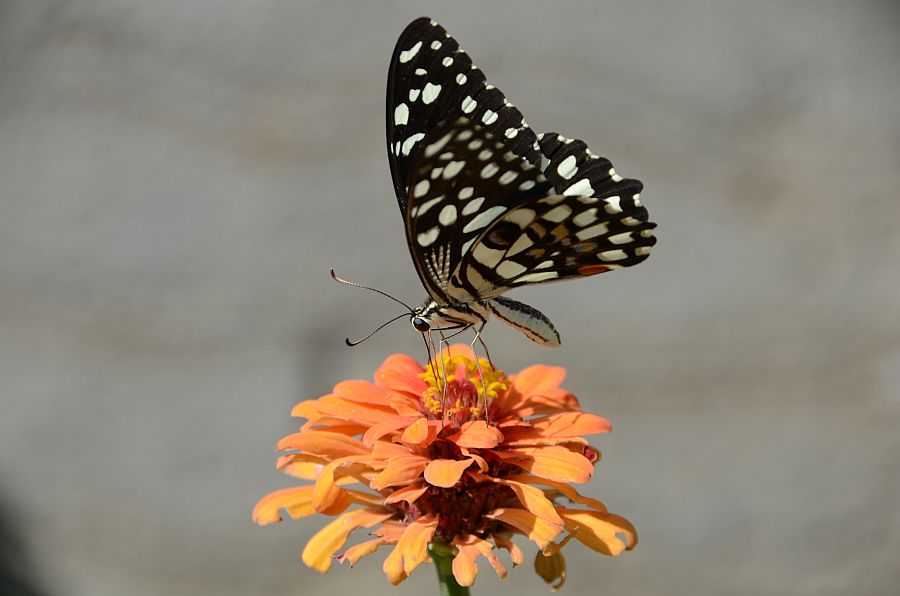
(177, 177)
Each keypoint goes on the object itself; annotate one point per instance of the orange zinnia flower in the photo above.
(466, 463)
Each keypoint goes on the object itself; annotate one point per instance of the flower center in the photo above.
(461, 388)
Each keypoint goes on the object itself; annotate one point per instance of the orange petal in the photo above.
(469, 548)
(413, 545)
(572, 424)
(400, 471)
(416, 433)
(362, 392)
(446, 472)
(393, 566)
(319, 551)
(600, 531)
(407, 493)
(358, 551)
(380, 429)
(401, 373)
(387, 450)
(328, 498)
(301, 465)
(357, 412)
(553, 462)
(566, 489)
(405, 405)
(296, 501)
(305, 409)
(515, 553)
(533, 499)
(539, 531)
(323, 443)
(477, 434)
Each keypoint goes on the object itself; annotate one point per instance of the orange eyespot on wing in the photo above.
(592, 269)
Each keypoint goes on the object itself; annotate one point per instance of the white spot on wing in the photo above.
(592, 232)
(615, 177)
(510, 269)
(488, 257)
(507, 177)
(489, 117)
(414, 94)
(436, 45)
(453, 168)
(566, 167)
(421, 188)
(421, 71)
(429, 204)
(407, 55)
(484, 218)
(468, 104)
(466, 192)
(623, 238)
(527, 185)
(460, 78)
(580, 188)
(489, 170)
(430, 93)
(521, 217)
(433, 148)
(447, 61)
(473, 205)
(522, 242)
(585, 217)
(536, 277)
(642, 250)
(447, 216)
(612, 255)
(612, 205)
(408, 143)
(558, 214)
(427, 238)
(401, 114)
(511, 133)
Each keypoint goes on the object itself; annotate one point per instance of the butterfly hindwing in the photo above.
(565, 234)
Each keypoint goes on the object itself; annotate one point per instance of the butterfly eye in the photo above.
(421, 324)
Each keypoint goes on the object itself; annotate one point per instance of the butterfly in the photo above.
(488, 204)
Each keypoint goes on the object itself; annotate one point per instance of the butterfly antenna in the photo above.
(355, 285)
(379, 328)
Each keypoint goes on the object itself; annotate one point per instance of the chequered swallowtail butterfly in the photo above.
(488, 204)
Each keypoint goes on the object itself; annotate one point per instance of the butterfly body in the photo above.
(488, 204)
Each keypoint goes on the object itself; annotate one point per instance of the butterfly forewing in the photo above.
(433, 81)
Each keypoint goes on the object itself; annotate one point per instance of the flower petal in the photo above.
(515, 553)
(296, 501)
(419, 432)
(533, 499)
(469, 548)
(330, 499)
(323, 443)
(407, 493)
(572, 424)
(319, 551)
(477, 434)
(553, 462)
(567, 490)
(358, 551)
(399, 471)
(600, 531)
(362, 392)
(401, 373)
(446, 472)
(414, 542)
(539, 531)
(380, 429)
(358, 412)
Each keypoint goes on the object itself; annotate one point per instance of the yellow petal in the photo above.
(319, 551)
(600, 531)
(446, 472)
(296, 501)
(539, 531)
(477, 434)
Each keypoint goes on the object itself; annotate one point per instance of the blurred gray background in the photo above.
(177, 177)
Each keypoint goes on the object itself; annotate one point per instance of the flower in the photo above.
(469, 462)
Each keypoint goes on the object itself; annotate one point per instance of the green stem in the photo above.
(442, 555)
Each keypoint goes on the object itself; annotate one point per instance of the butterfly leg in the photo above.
(439, 350)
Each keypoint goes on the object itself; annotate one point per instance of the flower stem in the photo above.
(442, 555)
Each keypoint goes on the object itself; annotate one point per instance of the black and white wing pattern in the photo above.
(488, 204)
